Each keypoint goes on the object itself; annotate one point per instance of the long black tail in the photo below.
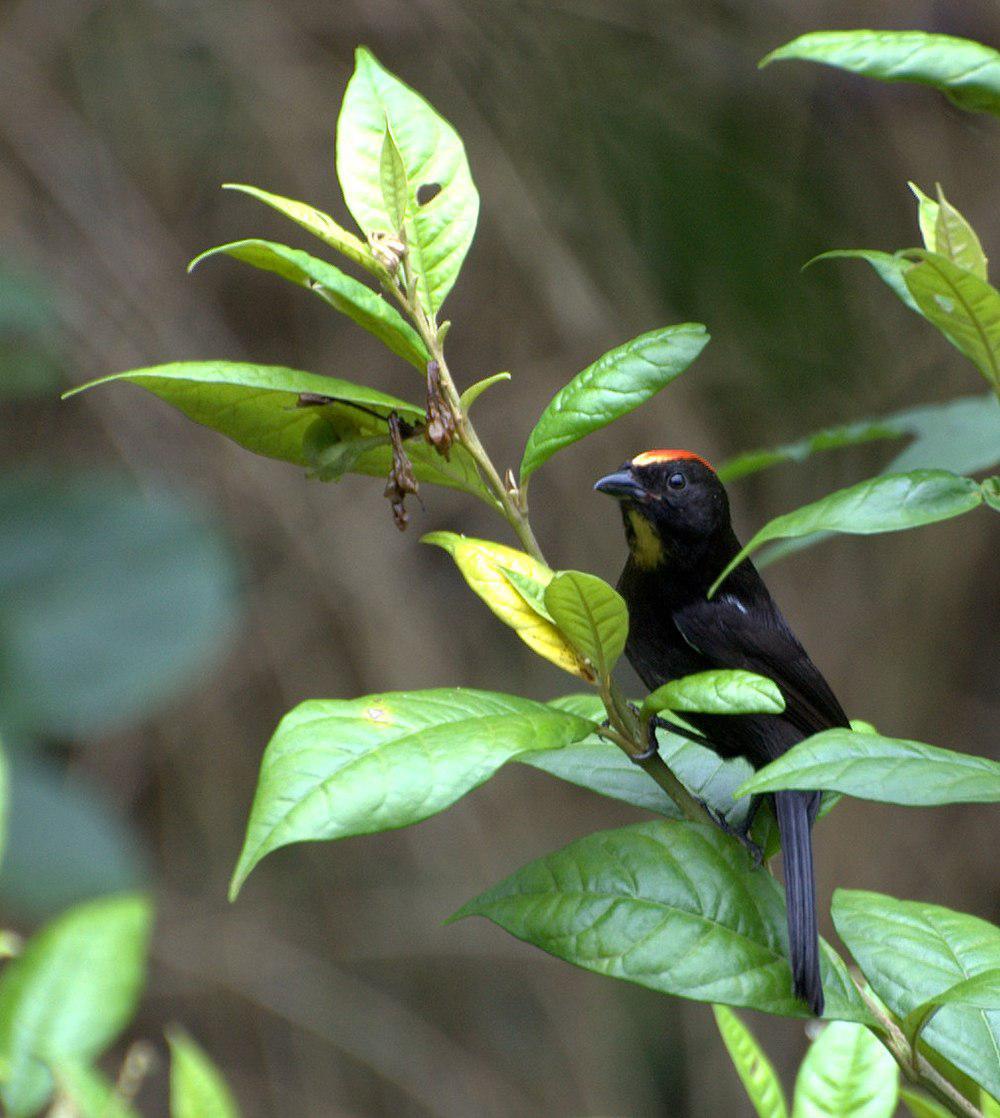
(795, 811)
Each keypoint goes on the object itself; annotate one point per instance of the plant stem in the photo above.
(916, 1068)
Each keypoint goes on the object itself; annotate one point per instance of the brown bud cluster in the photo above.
(440, 432)
(401, 481)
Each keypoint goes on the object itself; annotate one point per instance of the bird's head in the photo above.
(672, 502)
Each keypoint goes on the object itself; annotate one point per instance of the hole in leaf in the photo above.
(427, 192)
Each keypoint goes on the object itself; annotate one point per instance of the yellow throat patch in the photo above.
(645, 544)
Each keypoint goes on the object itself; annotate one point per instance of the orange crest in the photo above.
(658, 457)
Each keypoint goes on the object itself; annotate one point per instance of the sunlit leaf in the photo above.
(197, 1089)
(847, 1073)
(591, 615)
(485, 565)
(437, 232)
(365, 307)
(69, 994)
(889, 770)
(889, 503)
(321, 225)
(336, 768)
(911, 951)
(965, 308)
(717, 692)
(965, 71)
(671, 906)
(927, 217)
(754, 1069)
(392, 173)
(613, 386)
(955, 239)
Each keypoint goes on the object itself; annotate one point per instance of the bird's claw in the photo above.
(741, 834)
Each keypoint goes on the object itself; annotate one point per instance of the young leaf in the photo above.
(344, 293)
(922, 1106)
(591, 615)
(395, 189)
(965, 308)
(717, 692)
(962, 436)
(69, 994)
(889, 503)
(991, 492)
(474, 391)
(613, 386)
(847, 1071)
(754, 1069)
(671, 906)
(485, 566)
(982, 992)
(197, 1090)
(927, 217)
(321, 225)
(336, 768)
(889, 770)
(955, 239)
(437, 232)
(891, 268)
(966, 72)
(910, 951)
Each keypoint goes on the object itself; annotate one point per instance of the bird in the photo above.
(680, 538)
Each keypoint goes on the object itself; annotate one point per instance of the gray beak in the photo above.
(621, 485)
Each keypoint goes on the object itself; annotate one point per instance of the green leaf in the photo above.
(613, 386)
(922, 1106)
(752, 1065)
(437, 232)
(965, 308)
(321, 225)
(395, 189)
(671, 906)
(955, 239)
(961, 435)
(336, 768)
(927, 217)
(966, 72)
(891, 268)
(591, 615)
(197, 1090)
(113, 599)
(847, 1073)
(989, 1105)
(910, 951)
(474, 391)
(487, 568)
(889, 770)
(69, 994)
(991, 492)
(717, 692)
(982, 992)
(889, 503)
(90, 1093)
(344, 293)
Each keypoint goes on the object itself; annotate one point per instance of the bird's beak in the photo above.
(621, 485)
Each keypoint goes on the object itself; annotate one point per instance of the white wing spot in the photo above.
(732, 600)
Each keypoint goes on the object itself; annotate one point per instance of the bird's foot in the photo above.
(741, 833)
(652, 745)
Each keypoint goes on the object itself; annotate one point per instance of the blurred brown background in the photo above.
(636, 169)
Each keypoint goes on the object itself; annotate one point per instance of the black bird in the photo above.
(676, 517)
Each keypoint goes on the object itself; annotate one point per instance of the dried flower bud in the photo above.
(440, 432)
(388, 250)
(401, 481)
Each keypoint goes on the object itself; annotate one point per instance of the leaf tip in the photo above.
(445, 540)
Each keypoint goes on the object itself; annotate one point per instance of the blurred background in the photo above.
(165, 596)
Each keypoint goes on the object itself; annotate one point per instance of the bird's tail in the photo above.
(794, 821)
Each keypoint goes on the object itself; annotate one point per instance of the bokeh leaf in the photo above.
(321, 225)
(613, 386)
(922, 1106)
(847, 1073)
(485, 566)
(197, 1089)
(591, 615)
(753, 1067)
(910, 952)
(356, 300)
(69, 994)
(872, 767)
(965, 71)
(716, 692)
(111, 600)
(889, 503)
(89, 1092)
(437, 232)
(671, 906)
(965, 308)
(336, 768)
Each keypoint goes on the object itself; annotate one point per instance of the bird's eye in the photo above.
(677, 481)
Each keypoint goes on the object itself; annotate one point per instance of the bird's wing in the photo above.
(735, 633)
